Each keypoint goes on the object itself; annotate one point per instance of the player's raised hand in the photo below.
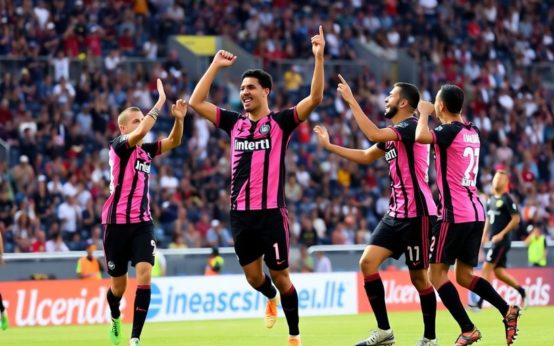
(161, 94)
(425, 107)
(179, 109)
(344, 90)
(322, 136)
(224, 58)
(318, 43)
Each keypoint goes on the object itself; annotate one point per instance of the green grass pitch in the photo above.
(535, 329)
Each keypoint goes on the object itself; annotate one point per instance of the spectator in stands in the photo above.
(322, 263)
(218, 236)
(215, 263)
(56, 243)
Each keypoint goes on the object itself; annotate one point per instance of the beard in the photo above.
(392, 112)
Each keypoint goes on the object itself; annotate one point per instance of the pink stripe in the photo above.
(289, 291)
(372, 277)
(274, 166)
(428, 290)
(295, 112)
(217, 116)
(256, 179)
(473, 283)
(143, 287)
(499, 255)
(284, 213)
(442, 236)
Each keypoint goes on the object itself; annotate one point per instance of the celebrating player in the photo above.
(126, 213)
(502, 218)
(407, 225)
(259, 138)
(457, 236)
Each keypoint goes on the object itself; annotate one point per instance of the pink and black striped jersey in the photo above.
(409, 173)
(258, 157)
(129, 200)
(457, 148)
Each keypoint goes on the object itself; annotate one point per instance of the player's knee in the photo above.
(368, 265)
(464, 279)
(420, 282)
(255, 280)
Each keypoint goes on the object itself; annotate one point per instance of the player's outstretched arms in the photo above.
(368, 127)
(422, 133)
(178, 111)
(148, 122)
(308, 104)
(199, 96)
(366, 156)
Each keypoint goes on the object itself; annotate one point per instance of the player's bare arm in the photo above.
(198, 99)
(308, 104)
(150, 119)
(360, 156)
(368, 127)
(178, 111)
(423, 134)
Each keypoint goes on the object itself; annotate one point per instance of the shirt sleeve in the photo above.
(382, 146)
(510, 204)
(153, 149)
(405, 131)
(225, 119)
(288, 119)
(444, 135)
(121, 146)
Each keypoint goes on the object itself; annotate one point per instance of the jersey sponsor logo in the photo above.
(391, 155)
(249, 145)
(264, 130)
(142, 166)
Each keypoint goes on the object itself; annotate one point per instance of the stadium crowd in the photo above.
(59, 124)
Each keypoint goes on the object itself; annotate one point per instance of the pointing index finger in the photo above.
(321, 30)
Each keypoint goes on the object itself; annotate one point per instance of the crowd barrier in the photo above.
(77, 302)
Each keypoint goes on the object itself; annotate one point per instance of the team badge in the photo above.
(499, 203)
(264, 130)
(111, 265)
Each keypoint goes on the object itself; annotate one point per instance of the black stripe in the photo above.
(242, 171)
(130, 198)
(470, 196)
(282, 171)
(447, 195)
(144, 207)
(402, 187)
(266, 174)
(421, 206)
(117, 193)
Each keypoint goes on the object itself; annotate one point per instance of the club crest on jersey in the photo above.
(252, 145)
(391, 155)
(499, 203)
(264, 130)
(142, 166)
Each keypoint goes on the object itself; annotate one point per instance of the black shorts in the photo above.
(410, 237)
(129, 242)
(261, 233)
(497, 254)
(456, 241)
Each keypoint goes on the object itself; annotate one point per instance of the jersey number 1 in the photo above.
(472, 167)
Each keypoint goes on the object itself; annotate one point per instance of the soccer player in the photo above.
(126, 214)
(457, 236)
(406, 227)
(502, 218)
(259, 138)
(3, 313)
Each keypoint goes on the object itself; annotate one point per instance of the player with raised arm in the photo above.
(259, 139)
(126, 214)
(406, 227)
(3, 313)
(502, 218)
(457, 236)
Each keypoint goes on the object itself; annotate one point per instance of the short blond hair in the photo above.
(122, 117)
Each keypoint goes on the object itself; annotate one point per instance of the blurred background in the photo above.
(67, 68)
